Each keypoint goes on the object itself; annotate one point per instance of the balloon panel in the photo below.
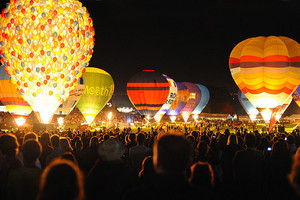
(171, 97)
(266, 69)
(246, 104)
(11, 98)
(148, 90)
(75, 95)
(194, 97)
(180, 101)
(99, 88)
(203, 100)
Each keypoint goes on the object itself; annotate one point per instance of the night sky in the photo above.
(189, 40)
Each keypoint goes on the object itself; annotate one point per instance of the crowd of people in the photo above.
(161, 164)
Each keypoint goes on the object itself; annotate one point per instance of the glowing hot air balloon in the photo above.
(11, 98)
(171, 98)
(45, 46)
(180, 101)
(148, 90)
(194, 99)
(267, 70)
(74, 96)
(99, 88)
(203, 101)
(247, 105)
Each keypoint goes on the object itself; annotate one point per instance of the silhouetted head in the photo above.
(171, 154)
(250, 140)
(31, 151)
(61, 180)
(202, 175)
(9, 145)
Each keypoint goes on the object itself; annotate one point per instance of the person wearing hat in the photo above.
(110, 177)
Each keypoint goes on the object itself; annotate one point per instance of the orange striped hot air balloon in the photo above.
(11, 98)
(266, 69)
(148, 90)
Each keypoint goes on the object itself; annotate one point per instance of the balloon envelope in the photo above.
(46, 46)
(180, 100)
(194, 98)
(148, 90)
(171, 98)
(99, 88)
(203, 100)
(74, 96)
(266, 69)
(11, 98)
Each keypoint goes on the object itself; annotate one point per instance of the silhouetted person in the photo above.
(147, 172)
(202, 176)
(229, 151)
(138, 153)
(47, 149)
(9, 148)
(248, 170)
(57, 150)
(61, 180)
(110, 177)
(23, 182)
(278, 166)
(171, 158)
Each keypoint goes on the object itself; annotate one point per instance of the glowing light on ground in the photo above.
(20, 121)
(266, 114)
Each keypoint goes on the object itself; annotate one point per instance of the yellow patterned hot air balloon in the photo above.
(266, 69)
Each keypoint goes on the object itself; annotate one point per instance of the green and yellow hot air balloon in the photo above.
(99, 88)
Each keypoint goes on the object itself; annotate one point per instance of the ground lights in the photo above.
(45, 46)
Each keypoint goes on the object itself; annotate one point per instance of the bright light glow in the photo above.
(45, 107)
(265, 102)
(158, 117)
(173, 118)
(266, 114)
(278, 116)
(195, 116)
(185, 116)
(20, 121)
(125, 109)
(89, 119)
(60, 121)
(252, 117)
(129, 120)
(109, 116)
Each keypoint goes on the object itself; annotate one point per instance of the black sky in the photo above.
(189, 40)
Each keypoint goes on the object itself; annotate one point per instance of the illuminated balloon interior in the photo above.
(45, 47)
(20, 121)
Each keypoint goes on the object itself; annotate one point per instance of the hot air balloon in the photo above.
(266, 70)
(171, 98)
(194, 99)
(148, 90)
(247, 105)
(46, 46)
(180, 101)
(65, 108)
(203, 101)
(11, 98)
(99, 88)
